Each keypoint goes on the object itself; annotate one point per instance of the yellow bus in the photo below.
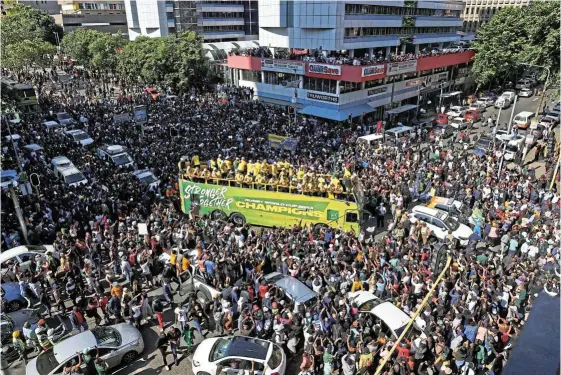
(267, 205)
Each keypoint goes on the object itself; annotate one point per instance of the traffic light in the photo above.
(290, 110)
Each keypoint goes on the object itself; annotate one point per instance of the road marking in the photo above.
(535, 99)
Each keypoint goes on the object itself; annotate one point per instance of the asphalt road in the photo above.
(151, 362)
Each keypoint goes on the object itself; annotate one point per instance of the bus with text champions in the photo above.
(223, 199)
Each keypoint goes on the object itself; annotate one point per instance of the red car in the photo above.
(472, 115)
(441, 119)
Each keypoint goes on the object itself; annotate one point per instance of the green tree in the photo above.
(174, 61)
(513, 35)
(105, 49)
(29, 53)
(77, 44)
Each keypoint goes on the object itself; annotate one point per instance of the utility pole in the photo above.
(505, 143)
(19, 214)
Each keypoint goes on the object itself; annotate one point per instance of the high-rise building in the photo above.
(215, 20)
(477, 12)
(106, 16)
(342, 57)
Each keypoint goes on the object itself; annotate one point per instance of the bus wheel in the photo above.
(238, 219)
(218, 215)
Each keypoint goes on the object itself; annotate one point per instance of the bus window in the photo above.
(351, 217)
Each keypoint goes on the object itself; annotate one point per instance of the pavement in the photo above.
(151, 362)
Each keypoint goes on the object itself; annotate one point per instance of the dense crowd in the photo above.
(343, 58)
(473, 316)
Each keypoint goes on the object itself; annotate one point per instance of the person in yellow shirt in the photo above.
(300, 174)
(283, 182)
(250, 168)
(215, 173)
(228, 163)
(212, 163)
(260, 180)
(195, 160)
(257, 168)
(185, 263)
(322, 188)
(242, 165)
(347, 173)
(357, 285)
(205, 173)
(219, 162)
(265, 167)
(248, 180)
(224, 169)
(239, 179)
(173, 257)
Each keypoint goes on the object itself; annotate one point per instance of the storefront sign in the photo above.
(401, 67)
(372, 70)
(414, 82)
(140, 114)
(284, 66)
(377, 90)
(332, 70)
(282, 142)
(323, 97)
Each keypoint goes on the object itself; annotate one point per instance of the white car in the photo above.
(523, 84)
(547, 122)
(238, 353)
(392, 318)
(525, 93)
(459, 123)
(22, 255)
(146, 177)
(502, 102)
(119, 344)
(486, 100)
(509, 95)
(117, 154)
(440, 223)
(479, 106)
(457, 111)
(9, 177)
(79, 136)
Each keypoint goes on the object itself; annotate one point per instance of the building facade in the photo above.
(336, 59)
(477, 12)
(215, 20)
(105, 16)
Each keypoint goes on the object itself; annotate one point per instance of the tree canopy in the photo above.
(172, 61)
(516, 35)
(93, 48)
(28, 34)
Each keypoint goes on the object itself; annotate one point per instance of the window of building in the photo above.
(345, 87)
(320, 84)
(357, 32)
(251, 75)
(373, 83)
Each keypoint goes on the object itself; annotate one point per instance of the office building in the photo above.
(216, 20)
(338, 58)
(477, 12)
(106, 16)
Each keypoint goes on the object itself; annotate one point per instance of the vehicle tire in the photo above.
(14, 305)
(218, 215)
(202, 373)
(238, 219)
(129, 357)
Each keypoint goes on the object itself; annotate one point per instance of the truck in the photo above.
(222, 199)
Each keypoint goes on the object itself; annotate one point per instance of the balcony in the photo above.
(225, 8)
(223, 34)
(223, 21)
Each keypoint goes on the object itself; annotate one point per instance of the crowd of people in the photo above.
(343, 58)
(106, 267)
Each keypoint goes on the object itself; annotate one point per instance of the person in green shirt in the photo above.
(188, 337)
(101, 366)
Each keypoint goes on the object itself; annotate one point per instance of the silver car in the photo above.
(117, 344)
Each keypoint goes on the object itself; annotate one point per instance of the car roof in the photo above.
(241, 346)
(68, 347)
(60, 159)
(394, 317)
(75, 131)
(296, 289)
(33, 147)
(399, 129)
(69, 171)
(15, 251)
(8, 172)
(363, 297)
(525, 113)
(442, 200)
(430, 211)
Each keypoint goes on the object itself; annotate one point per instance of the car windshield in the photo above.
(413, 332)
(511, 148)
(63, 116)
(76, 177)
(276, 358)
(80, 136)
(107, 336)
(121, 159)
(46, 362)
(220, 349)
(148, 179)
(7, 178)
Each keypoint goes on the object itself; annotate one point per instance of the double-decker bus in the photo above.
(268, 205)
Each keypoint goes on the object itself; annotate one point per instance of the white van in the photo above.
(393, 135)
(371, 140)
(523, 119)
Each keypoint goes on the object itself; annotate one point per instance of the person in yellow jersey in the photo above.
(228, 163)
(250, 168)
(257, 168)
(224, 169)
(322, 187)
(347, 173)
(219, 162)
(283, 182)
(242, 165)
(248, 181)
(265, 167)
(215, 173)
(272, 183)
(173, 257)
(239, 179)
(212, 163)
(205, 173)
(260, 180)
(185, 263)
(274, 169)
(300, 174)
(195, 160)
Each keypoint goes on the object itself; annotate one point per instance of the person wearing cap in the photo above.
(19, 345)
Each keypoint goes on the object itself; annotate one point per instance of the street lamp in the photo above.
(545, 85)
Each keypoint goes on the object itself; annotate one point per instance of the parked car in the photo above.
(237, 353)
(502, 103)
(458, 123)
(22, 255)
(457, 111)
(79, 136)
(554, 115)
(117, 345)
(524, 83)
(8, 178)
(487, 101)
(478, 106)
(509, 95)
(472, 115)
(12, 300)
(392, 319)
(526, 93)
(537, 130)
(117, 154)
(146, 177)
(547, 122)
(441, 223)
(443, 131)
(65, 119)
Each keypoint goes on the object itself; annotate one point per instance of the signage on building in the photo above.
(323, 97)
(401, 67)
(377, 90)
(414, 82)
(373, 70)
(284, 66)
(333, 70)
